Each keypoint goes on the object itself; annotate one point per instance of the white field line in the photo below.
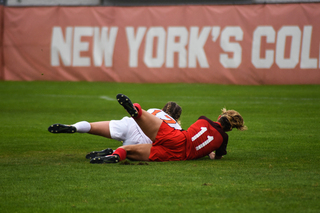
(107, 98)
(80, 96)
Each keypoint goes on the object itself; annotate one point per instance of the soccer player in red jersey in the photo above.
(169, 144)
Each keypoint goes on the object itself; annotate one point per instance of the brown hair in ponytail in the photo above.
(173, 109)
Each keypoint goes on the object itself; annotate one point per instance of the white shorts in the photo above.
(127, 131)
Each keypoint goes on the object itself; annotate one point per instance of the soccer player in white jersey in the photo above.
(125, 130)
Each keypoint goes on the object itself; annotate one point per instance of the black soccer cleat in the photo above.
(106, 159)
(104, 152)
(127, 104)
(61, 128)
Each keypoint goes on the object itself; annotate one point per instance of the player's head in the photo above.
(172, 109)
(230, 119)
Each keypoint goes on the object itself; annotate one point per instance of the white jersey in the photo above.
(128, 131)
(165, 117)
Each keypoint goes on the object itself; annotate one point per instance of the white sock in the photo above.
(82, 126)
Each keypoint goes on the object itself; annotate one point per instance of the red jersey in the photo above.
(201, 138)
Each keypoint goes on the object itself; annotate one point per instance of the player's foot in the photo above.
(127, 104)
(104, 152)
(61, 128)
(106, 159)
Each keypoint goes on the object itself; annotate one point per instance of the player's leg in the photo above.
(62, 128)
(93, 154)
(96, 128)
(100, 128)
(148, 123)
(115, 129)
(81, 127)
(138, 152)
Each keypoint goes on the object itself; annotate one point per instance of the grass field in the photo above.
(272, 167)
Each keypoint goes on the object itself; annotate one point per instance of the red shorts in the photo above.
(170, 145)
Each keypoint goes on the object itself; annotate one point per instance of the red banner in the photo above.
(1, 50)
(242, 44)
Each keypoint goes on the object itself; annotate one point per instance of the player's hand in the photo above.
(212, 155)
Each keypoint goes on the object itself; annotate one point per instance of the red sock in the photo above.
(121, 152)
(138, 108)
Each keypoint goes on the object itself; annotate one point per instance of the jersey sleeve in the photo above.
(222, 150)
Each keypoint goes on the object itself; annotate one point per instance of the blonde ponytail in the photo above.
(231, 119)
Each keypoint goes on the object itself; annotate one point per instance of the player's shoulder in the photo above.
(152, 110)
(203, 120)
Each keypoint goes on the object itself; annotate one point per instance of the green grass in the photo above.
(272, 167)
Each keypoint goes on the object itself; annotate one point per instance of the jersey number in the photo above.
(169, 121)
(196, 136)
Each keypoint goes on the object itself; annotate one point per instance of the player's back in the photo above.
(204, 136)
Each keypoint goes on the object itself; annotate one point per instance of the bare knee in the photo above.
(100, 128)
